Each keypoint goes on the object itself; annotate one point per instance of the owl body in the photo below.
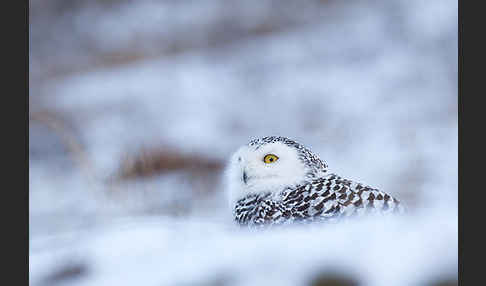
(295, 187)
(323, 199)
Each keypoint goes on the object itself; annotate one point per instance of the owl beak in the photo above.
(245, 177)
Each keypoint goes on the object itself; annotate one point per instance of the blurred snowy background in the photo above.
(135, 106)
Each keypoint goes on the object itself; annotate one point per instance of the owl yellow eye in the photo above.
(270, 158)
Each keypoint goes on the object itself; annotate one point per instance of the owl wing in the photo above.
(333, 196)
(358, 199)
(311, 201)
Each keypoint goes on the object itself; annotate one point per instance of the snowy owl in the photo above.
(275, 180)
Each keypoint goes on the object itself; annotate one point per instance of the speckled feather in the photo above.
(325, 198)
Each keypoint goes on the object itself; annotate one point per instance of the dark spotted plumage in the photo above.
(324, 198)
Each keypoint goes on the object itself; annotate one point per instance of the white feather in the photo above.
(287, 171)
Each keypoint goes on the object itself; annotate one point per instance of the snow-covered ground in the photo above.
(370, 86)
(165, 251)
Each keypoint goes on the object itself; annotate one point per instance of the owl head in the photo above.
(270, 164)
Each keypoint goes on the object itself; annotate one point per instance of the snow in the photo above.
(398, 251)
(369, 86)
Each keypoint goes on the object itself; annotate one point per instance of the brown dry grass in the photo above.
(159, 160)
